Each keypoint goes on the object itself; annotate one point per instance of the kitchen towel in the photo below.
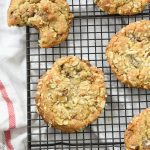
(13, 115)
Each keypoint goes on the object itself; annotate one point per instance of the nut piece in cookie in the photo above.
(71, 95)
(128, 54)
(122, 7)
(137, 134)
(51, 17)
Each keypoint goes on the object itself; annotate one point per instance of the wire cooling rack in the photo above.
(91, 30)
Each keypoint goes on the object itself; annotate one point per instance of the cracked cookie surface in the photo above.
(71, 95)
(51, 17)
(122, 7)
(137, 134)
(128, 54)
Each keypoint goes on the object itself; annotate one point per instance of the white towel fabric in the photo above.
(12, 84)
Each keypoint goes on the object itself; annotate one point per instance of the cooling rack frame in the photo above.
(88, 41)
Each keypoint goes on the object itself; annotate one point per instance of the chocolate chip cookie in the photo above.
(122, 7)
(51, 17)
(128, 54)
(71, 95)
(137, 134)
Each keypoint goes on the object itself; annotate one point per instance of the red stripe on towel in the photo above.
(8, 140)
(11, 113)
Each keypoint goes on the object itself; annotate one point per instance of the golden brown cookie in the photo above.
(137, 134)
(71, 95)
(51, 17)
(128, 54)
(122, 7)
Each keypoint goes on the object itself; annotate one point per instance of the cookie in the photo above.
(137, 134)
(128, 54)
(122, 7)
(71, 95)
(51, 17)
